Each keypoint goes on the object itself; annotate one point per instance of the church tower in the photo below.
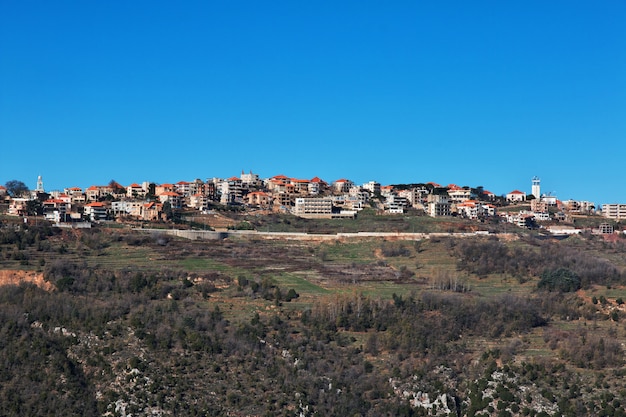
(536, 188)
(39, 188)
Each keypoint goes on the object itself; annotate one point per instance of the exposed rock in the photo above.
(15, 277)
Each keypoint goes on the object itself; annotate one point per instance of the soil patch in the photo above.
(15, 277)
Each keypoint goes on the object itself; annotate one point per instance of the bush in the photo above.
(561, 279)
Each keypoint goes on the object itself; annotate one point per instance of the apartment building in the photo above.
(173, 198)
(342, 186)
(614, 211)
(135, 191)
(439, 205)
(126, 208)
(372, 186)
(95, 211)
(312, 207)
(458, 194)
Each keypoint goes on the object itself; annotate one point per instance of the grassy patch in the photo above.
(301, 285)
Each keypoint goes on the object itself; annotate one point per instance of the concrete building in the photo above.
(614, 211)
(313, 207)
(438, 205)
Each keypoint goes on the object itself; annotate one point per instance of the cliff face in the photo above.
(14, 277)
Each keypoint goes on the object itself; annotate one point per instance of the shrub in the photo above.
(561, 279)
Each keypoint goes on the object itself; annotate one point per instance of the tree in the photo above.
(16, 188)
(561, 279)
(116, 187)
(34, 208)
(151, 194)
(167, 209)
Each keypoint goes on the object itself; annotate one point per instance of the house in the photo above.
(516, 196)
(93, 193)
(135, 191)
(487, 195)
(317, 186)
(258, 199)
(386, 190)
(522, 219)
(470, 209)
(152, 212)
(130, 208)
(198, 201)
(183, 188)
(55, 209)
(95, 211)
(76, 194)
(342, 186)
(171, 197)
(300, 186)
(163, 188)
(18, 207)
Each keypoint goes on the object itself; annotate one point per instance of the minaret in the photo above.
(39, 188)
(536, 188)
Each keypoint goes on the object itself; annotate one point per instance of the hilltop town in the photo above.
(307, 198)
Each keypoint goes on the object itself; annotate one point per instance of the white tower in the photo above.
(536, 188)
(39, 188)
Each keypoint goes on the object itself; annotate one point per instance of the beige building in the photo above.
(614, 211)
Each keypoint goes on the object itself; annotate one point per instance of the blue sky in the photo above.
(484, 93)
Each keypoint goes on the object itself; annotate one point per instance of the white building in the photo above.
(516, 196)
(372, 186)
(614, 211)
(313, 207)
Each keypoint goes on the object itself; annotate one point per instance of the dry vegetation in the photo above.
(147, 324)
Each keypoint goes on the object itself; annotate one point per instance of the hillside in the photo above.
(129, 323)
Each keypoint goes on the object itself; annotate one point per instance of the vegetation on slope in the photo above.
(149, 325)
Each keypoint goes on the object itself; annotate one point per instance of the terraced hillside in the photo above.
(126, 323)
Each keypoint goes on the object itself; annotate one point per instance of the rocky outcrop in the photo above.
(15, 277)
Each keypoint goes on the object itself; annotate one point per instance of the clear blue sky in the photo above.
(482, 93)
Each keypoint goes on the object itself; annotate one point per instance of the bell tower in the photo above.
(536, 188)
(39, 188)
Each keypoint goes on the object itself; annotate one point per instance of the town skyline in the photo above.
(528, 189)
